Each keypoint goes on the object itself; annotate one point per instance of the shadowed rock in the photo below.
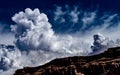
(107, 63)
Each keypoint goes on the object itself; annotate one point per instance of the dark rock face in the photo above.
(107, 63)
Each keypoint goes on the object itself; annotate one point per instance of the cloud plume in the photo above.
(33, 32)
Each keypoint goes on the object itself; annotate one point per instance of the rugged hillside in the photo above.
(107, 63)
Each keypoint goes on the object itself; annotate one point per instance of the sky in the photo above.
(42, 30)
(51, 7)
(8, 8)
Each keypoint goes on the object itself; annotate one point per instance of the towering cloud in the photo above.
(100, 43)
(32, 30)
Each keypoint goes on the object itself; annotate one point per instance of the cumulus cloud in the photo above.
(9, 57)
(102, 43)
(34, 32)
(99, 44)
(12, 58)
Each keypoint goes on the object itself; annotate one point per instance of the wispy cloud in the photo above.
(74, 15)
(88, 19)
(67, 13)
(59, 14)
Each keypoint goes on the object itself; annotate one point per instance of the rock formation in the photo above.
(107, 63)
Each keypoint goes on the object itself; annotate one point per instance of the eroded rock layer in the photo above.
(107, 63)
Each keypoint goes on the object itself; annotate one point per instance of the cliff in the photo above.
(107, 63)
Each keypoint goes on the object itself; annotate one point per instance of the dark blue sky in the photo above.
(9, 7)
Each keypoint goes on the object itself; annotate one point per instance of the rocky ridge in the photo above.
(107, 63)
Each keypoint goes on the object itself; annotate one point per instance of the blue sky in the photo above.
(69, 17)
(9, 8)
(65, 16)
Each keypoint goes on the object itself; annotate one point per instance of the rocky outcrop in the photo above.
(107, 63)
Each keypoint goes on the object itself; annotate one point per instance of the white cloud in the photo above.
(72, 15)
(34, 32)
(59, 15)
(88, 18)
(9, 58)
(75, 15)
(12, 59)
(108, 21)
